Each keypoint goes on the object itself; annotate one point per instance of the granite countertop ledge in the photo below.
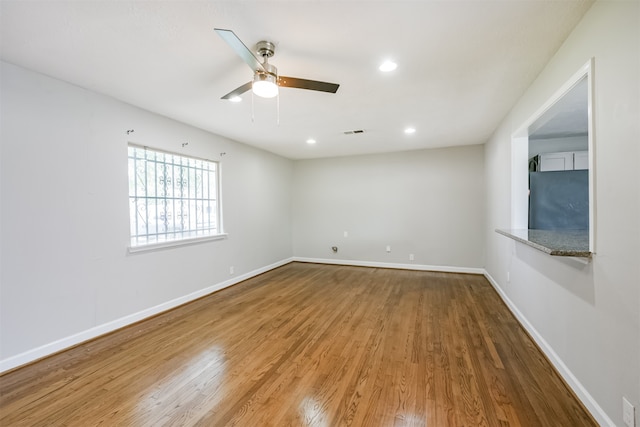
(571, 243)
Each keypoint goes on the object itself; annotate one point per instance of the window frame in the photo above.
(177, 241)
(520, 155)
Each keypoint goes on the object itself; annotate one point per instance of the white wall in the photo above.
(587, 317)
(429, 203)
(65, 269)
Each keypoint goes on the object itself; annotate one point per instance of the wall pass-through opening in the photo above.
(553, 163)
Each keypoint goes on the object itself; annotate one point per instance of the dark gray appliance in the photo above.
(559, 200)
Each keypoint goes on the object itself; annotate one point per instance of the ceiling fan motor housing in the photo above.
(266, 50)
(270, 69)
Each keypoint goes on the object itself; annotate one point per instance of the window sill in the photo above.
(174, 243)
(567, 243)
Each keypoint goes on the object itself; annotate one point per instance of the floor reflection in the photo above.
(313, 413)
(200, 377)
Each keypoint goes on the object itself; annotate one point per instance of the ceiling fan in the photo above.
(266, 80)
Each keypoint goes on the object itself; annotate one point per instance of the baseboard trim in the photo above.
(419, 267)
(57, 346)
(581, 392)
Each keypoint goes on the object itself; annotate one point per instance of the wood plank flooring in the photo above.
(307, 345)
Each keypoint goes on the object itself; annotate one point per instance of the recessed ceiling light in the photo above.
(235, 99)
(311, 141)
(387, 66)
(410, 130)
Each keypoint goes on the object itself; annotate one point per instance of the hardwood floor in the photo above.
(307, 345)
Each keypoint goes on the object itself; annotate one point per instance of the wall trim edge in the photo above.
(62, 344)
(581, 392)
(419, 267)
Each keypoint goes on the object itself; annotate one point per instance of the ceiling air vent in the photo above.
(351, 132)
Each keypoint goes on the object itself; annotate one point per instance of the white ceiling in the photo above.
(461, 64)
(569, 116)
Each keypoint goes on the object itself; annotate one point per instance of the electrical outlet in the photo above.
(388, 248)
(346, 234)
(411, 257)
(628, 413)
(231, 270)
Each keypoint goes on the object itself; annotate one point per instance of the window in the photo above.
(172, 198)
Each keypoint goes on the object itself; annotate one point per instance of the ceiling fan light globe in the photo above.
(264, 85)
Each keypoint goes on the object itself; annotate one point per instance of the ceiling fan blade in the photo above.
(296, 83)
(240, 48)
(238, 91)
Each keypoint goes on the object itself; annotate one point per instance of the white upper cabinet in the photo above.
(581, 160)
(556, 161)
(564, 161)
